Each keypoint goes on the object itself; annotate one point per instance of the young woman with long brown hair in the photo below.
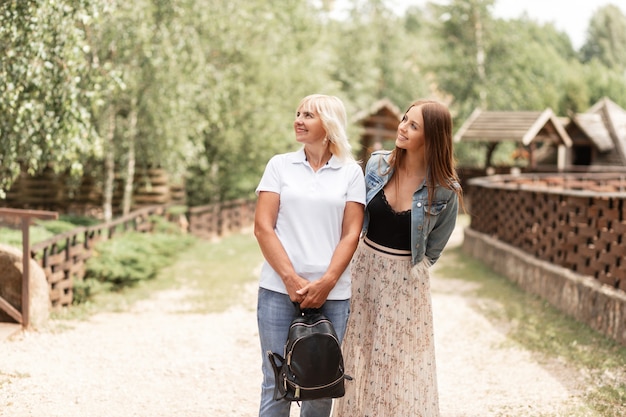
(413, 194)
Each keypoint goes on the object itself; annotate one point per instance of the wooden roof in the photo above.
(381, 107)
(518, 126)
(614, 118)
(593, 126)
(380, 120)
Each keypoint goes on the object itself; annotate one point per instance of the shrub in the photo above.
(133, 257)
(42, 230)
(84, 290)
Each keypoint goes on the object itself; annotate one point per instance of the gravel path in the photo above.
(152, 362)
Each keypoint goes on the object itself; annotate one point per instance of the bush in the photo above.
(84, 290)
(65, 223)
(42, 230)
(133, 257)
(13, 237)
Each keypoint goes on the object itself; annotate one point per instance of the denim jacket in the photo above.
(429, 233)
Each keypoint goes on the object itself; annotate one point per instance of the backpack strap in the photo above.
(297, 307)
(276, 367)
(305, 311)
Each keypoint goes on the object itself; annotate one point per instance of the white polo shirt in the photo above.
(310, 215)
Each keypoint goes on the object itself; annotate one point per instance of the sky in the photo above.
(570, 16)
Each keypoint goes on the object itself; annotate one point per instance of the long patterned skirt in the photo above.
(389, 345)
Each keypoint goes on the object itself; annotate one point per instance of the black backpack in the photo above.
(312, 367)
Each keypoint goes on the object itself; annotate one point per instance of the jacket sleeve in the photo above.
(439, 236)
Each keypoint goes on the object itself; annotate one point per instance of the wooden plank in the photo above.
(39, 214)
(10, 310)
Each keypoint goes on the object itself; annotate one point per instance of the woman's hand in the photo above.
(314, 294)
(294, 285)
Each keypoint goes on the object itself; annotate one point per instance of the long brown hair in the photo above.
(438, 149)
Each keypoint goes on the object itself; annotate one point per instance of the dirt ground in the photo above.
(158, 360)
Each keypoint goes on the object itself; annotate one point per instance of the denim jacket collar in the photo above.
(429, 232)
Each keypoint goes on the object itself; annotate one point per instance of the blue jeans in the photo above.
(275, 311)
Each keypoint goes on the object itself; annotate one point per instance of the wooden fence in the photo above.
(49, 190)
(560, 237)
(214, 220)
(22, 314)
(63, 257)
(571, 220)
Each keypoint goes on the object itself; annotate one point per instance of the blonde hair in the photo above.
(332, 112)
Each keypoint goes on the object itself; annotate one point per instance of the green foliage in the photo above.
(78, 220)
(127, 260)
(526, 70)
(161, 225)
(56, 227)
(177, 210)
(43, 117)
(13, 237)
(602, 82)
(384, 58)
(470, 154)
(42, 230)
(249, 82)
(460, 28)
(606, 39)
(207, 89)
(84, 291)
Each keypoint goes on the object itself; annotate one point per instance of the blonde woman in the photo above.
(308, 218)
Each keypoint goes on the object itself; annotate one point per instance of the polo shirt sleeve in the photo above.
(270, 181)
(356, 187)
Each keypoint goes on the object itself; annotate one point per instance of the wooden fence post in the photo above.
(26, 216)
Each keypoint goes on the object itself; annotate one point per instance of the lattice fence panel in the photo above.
(584, 231)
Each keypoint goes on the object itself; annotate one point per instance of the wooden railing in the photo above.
(218, 219)
(23, 317)
(63, 257)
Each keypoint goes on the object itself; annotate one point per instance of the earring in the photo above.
(325, 141)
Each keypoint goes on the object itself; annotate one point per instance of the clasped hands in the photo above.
(309, 294)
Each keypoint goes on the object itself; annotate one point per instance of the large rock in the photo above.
(11, 287)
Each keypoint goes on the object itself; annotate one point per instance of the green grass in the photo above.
(538, 327)
(41, 230)
(13, 237)
(218, 272)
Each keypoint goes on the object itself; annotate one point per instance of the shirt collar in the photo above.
(299, 157)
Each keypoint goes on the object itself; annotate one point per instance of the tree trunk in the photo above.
(109, 165)
(491, 147)
(480, 57)
(130, 168)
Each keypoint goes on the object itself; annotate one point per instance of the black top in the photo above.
(387, 227)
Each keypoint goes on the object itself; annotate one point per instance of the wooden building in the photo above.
(530, 129)
(598, 135)
(379, 128)
(593, 140)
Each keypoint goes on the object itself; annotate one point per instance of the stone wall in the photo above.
(582, 297)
